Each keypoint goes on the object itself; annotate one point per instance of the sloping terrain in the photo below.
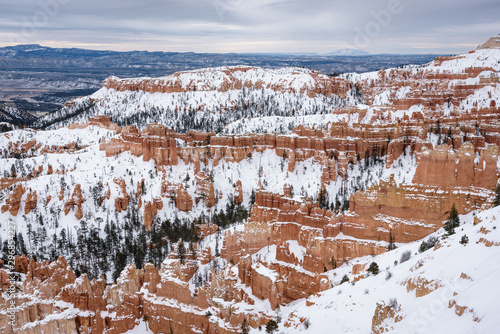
(273, 209)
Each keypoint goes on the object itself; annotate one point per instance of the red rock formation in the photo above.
(492, 43)
(30, 202)
(6, 182)
(150, 210)
(404, 210)
(383, 312)
(121, 202)
(13, 202)
(102, 121)
(448, 168)
(149, 215)
(238, 193)
(204, 230)
(233, 78)
(205, 189)
(183, 200)
(75, 200)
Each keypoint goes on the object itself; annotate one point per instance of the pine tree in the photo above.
(323, 198)
(497, 197)
(271, 326)
(245, 329)
(181, 251)
(120, 263)
(391, 245)
(452, 222)
(373, 268)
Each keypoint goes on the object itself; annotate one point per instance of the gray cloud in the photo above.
(403, 26)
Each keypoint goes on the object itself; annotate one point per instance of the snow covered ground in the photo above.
(462, 275)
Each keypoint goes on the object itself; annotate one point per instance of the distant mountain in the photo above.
(348, 52)
(37, 78)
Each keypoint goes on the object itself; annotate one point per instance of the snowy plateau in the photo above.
(240, 199)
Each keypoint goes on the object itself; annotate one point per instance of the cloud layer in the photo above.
(378, 26)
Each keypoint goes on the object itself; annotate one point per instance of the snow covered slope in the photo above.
(451, 287)
(308, 180)
(209, 99)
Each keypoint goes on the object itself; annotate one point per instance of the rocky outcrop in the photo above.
(205, 189)
(230, 78)
(30, 202)
(76, 200)
(410, 211)
(13, 202)
(150, 211)
(238, 193)
(446, 167)
(422, 286)
(492, 43)
(121, 202)
(101, 121)
(183, 200)
(384, 315)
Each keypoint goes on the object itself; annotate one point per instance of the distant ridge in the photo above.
(348, 52)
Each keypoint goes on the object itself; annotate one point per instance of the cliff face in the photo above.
(446, 167)
(235, 78)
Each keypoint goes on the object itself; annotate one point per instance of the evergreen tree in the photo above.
(62, 241)
(323, 198)
(245, 329)
(271, 326)
(181, 251)
(452, 222)
(120, 263)
(497, 197)
(391, 245)
(20, 246)
(373, 268)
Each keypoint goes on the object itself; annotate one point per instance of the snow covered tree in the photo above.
(427, 244)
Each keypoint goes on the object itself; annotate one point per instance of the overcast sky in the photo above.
(321, 26)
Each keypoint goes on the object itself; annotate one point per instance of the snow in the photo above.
(350, 308)
(141, 328)
(297, 250)
(343, 308)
